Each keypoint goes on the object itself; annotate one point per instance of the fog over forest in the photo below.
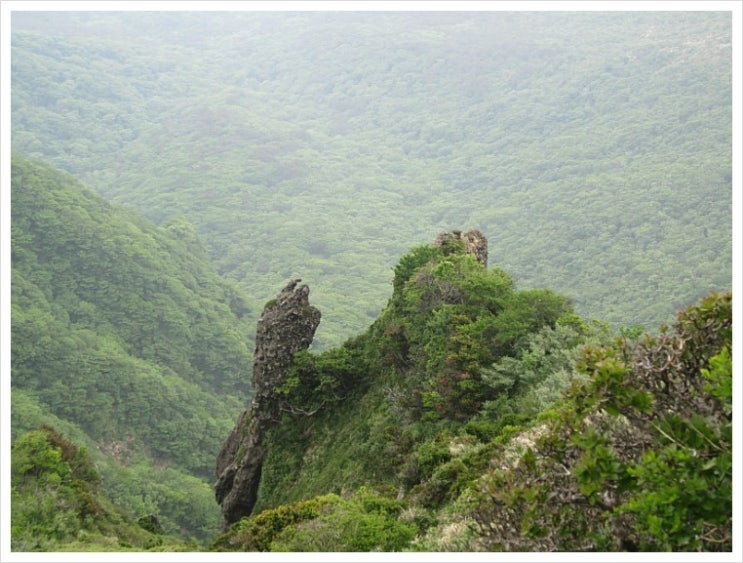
(593, 149)
(514, 228)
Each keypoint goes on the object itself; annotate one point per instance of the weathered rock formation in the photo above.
(474, 243)
(287, 325)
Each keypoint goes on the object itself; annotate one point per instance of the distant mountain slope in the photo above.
(594, 148)
(122, 329)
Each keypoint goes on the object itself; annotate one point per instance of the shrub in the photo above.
(641, 458)
(365, 522)
(256, 533)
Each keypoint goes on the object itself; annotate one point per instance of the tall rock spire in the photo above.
(287, 325)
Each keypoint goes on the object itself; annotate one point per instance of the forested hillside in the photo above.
(124, 338)
(476, 416)
(593, 148)
(58, 503)
(471, 415)
(171, 171)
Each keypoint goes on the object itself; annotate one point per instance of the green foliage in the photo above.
(34, 455)
(603, 189)
(390, 408)
(526, 312)
(352, 443)
(354, 527)
(410, 263)
(365, 521)
(542, 368)
(640, 457)
(594, 147)
(57, 500)
(683, 498)
(720, 379)
(184, 504)
(450, 319)
(150, 523)
(423, 461)
(258, 532)
(104, 270)
(314, 381)
(126, 336)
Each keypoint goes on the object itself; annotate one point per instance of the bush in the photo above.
(257, 532)
(641, 458)
(365, 522)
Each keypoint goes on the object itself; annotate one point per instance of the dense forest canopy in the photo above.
(124, 333)
(172, 170)
(594, 148)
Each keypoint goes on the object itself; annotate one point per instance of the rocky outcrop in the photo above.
(474, 243)
(287, 325)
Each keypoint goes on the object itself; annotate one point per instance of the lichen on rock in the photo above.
(474, 242)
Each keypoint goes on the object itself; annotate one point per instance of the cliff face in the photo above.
(287, 325)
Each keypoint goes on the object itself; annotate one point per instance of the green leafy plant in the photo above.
(640, 458)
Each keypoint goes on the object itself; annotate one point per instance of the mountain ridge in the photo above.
(472, 416)
(432, 430)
